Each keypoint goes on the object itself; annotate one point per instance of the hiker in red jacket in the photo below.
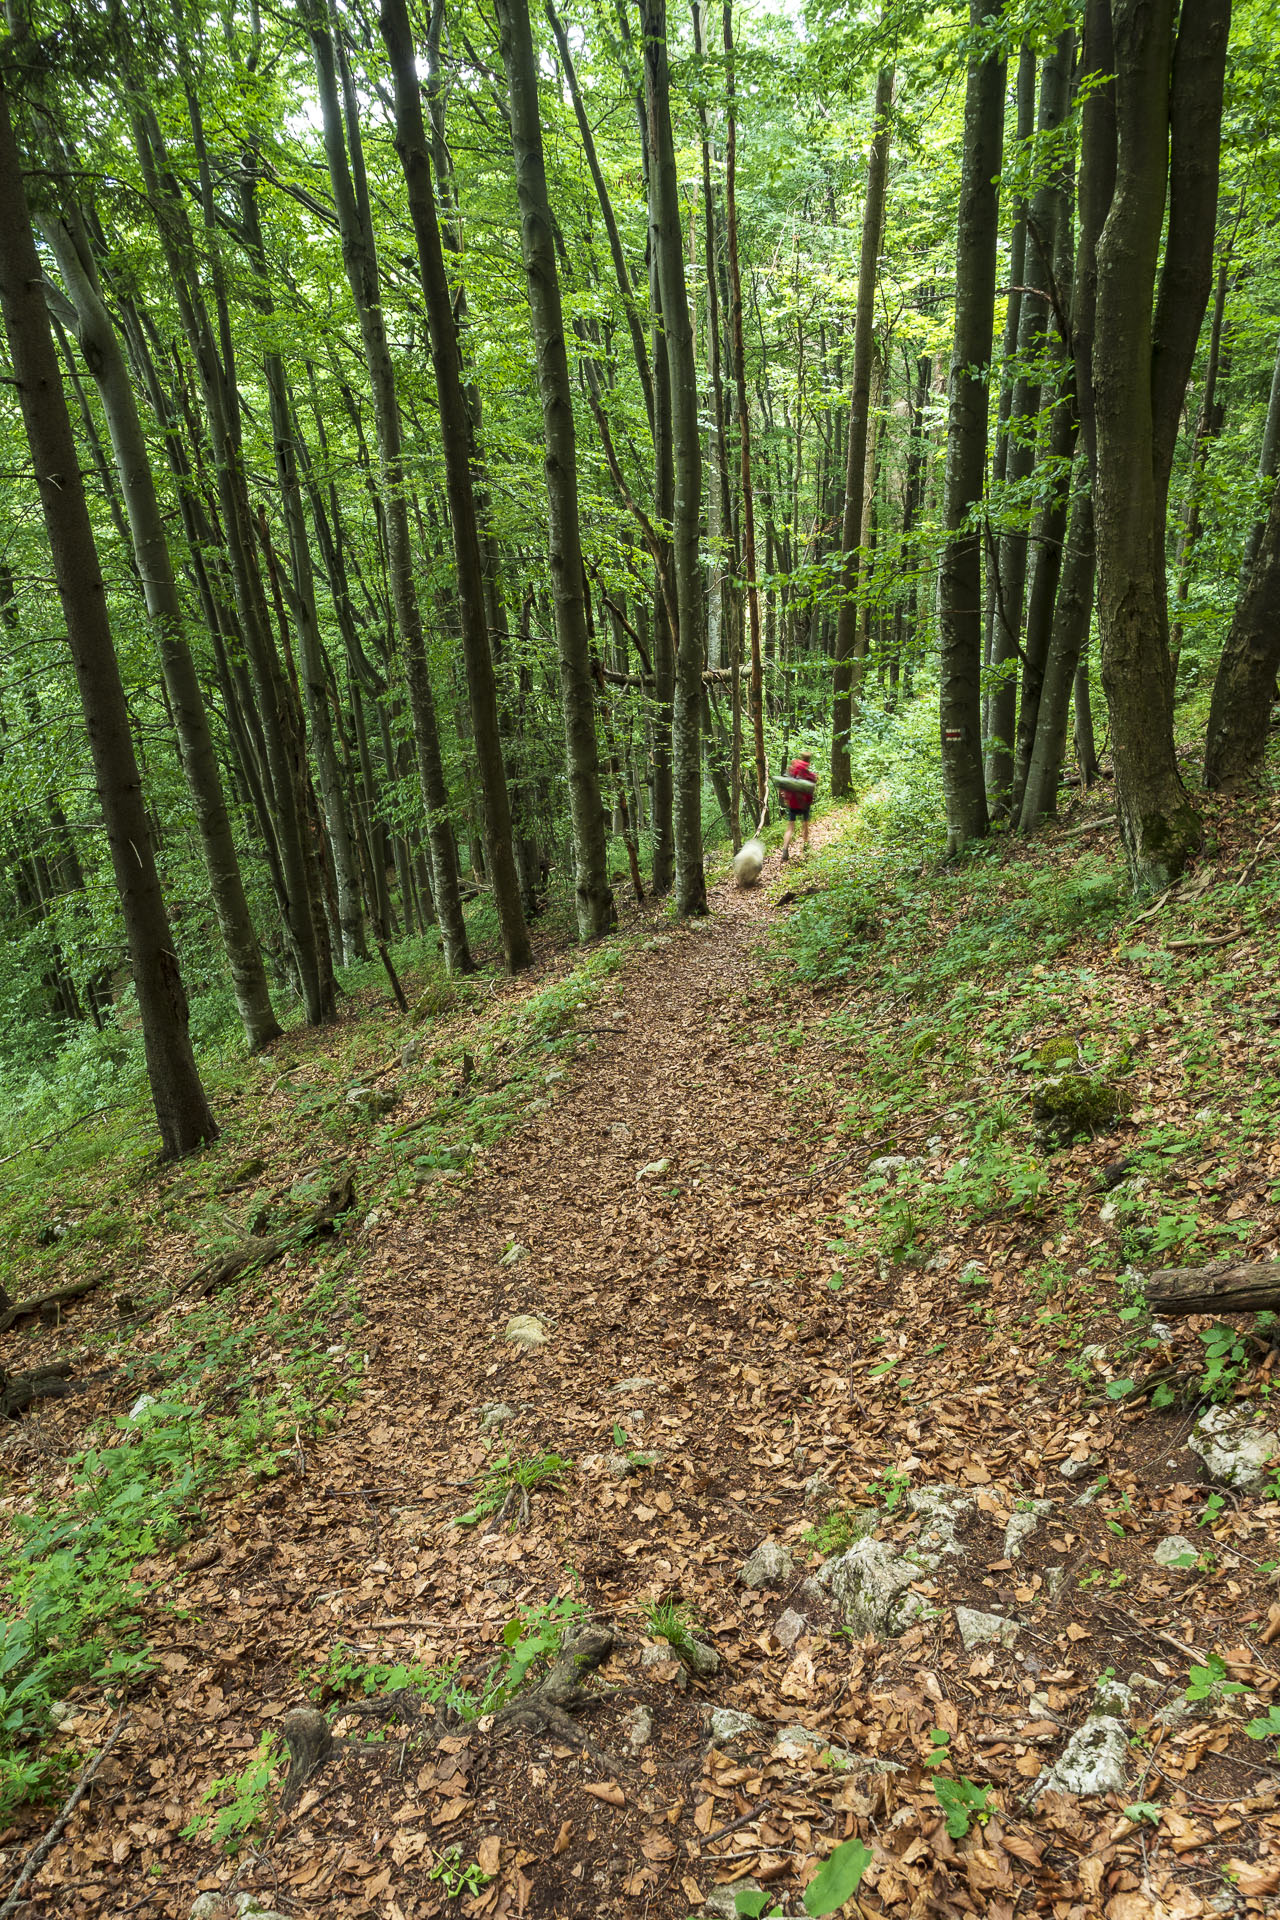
(798, 805)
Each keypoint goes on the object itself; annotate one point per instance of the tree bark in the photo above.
(1140, 368)
(105, 359)
(1251, 1287)
(666, 238)
(960, 568)
(181, 1106)
(596, 913)
(1244, 688)
(859, 417)
(360, 260)
(1208, 427)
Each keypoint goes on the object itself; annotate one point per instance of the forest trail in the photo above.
(670, 1213)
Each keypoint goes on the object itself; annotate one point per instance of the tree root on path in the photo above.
(547, 1708)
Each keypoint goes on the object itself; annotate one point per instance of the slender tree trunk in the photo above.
(960, 569)
(1208, 427)
(744, 411)
(182, 1109)
(596, 913)
(666, 239)
(105, 359)
(859, 416)
(1246, 680)
(1268, 461)
(360, 260)
(1033, 318)
(1140, 367)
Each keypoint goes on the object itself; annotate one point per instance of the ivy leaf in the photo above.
(838, 1878)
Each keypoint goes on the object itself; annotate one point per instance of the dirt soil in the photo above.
(672, 1210)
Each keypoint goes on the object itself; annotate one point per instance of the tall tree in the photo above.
(960, 568)
(181, 1106)
(596, 913)
(666, 239)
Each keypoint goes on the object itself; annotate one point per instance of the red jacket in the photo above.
(799, 770)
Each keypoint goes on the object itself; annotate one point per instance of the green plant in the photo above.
(1212, 1679)
(1225, 1354)
(506, 1478)
(249, 1792)
(889, 1488)
(457, 1876)
(1149, 1810)
(838, 1531)
(1267, 1728)
(668, 1620)
(963, 1803)
(837, 1879)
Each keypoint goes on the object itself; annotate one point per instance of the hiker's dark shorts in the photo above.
(800, 813)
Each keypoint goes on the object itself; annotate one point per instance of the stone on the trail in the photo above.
(495, 1413)
(1175, 1550)
(796, 1738)
(977, 1629)
(526, 1330)
(209, 1906)
(1076, 1466)
(636, 1384)
(654, 1170)
(1022, 1525)
(722, 1902)
(1113, 1697)
(941, 1509)
(788, 1627)
(511, 1254)
(622, 1465)
(819, 1491)
(872, 1588)
(1067, 1104)
(727, 1723)
(1091, 1763)
(889, 1165)
(768, 1566)
(410, 1050)
(1234, 1448)
(142, 1405)
(248, 1906)
(748, 863)
(700, 1659)
(371, 1101)
(639, 1725)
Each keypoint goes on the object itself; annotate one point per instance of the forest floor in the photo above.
(741, 1335)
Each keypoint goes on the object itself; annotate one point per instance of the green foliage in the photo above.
(1265, 1727)
(1225, 1355)
(668, 1620)
(837, 1879)
(963, 1803)
(837, 1532)
(1211, 1680)
(247, 1799)
(1149, 1810)
(508, 1475)
(458, 1876)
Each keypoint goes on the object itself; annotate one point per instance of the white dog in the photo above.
(748, 862)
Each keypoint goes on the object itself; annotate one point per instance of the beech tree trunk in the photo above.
(596, 913)
(181, 1106)
(105, 359)
(960, 568)
(666, 239)
(360, 260)
(1140, 368)
(859, 417)
(1245, 686)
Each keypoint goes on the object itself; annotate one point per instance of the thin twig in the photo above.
(45, 1846)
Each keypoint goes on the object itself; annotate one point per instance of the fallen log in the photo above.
(18, 1390)
(1250, 1286)
(260, 1249)
(41, 1302)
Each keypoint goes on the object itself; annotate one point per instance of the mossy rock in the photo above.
(1068, 1104)
(927, 1043)
(1061, 1054)
(438, 998)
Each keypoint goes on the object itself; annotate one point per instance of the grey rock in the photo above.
(248, 1906)
(722, 1902)
(1022, 1525)
(977, 1629)
(653, 1171)
(727, 1724)
(1113, 1697)
(889, 1165)
(410, 1051)
(371, 1101)
(768, 1566)
(1091, 1763)
(142, 1405)
(636, 1384)
(872, 1587)
(639, 1725)
(819, 1492)
(1175, 1550)
(208, 1906)
(511, 1254)
(526, 1330)
(700, 1659)
(1076, 1469)
(623, 1465)
(941, 1509)
(788, 1627)
(495, 1413)
(797, 1737)
(1234, 1448)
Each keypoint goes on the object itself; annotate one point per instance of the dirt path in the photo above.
(669, 1238)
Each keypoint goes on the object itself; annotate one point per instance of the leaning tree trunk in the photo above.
(666, 238)
(744, 417)
(596, 913)
(859, 417)
(1268, 461)
(960, 569)
(455, 429)
(1140, 368)
(360, 260)
(105, 359)
(182, 1108)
